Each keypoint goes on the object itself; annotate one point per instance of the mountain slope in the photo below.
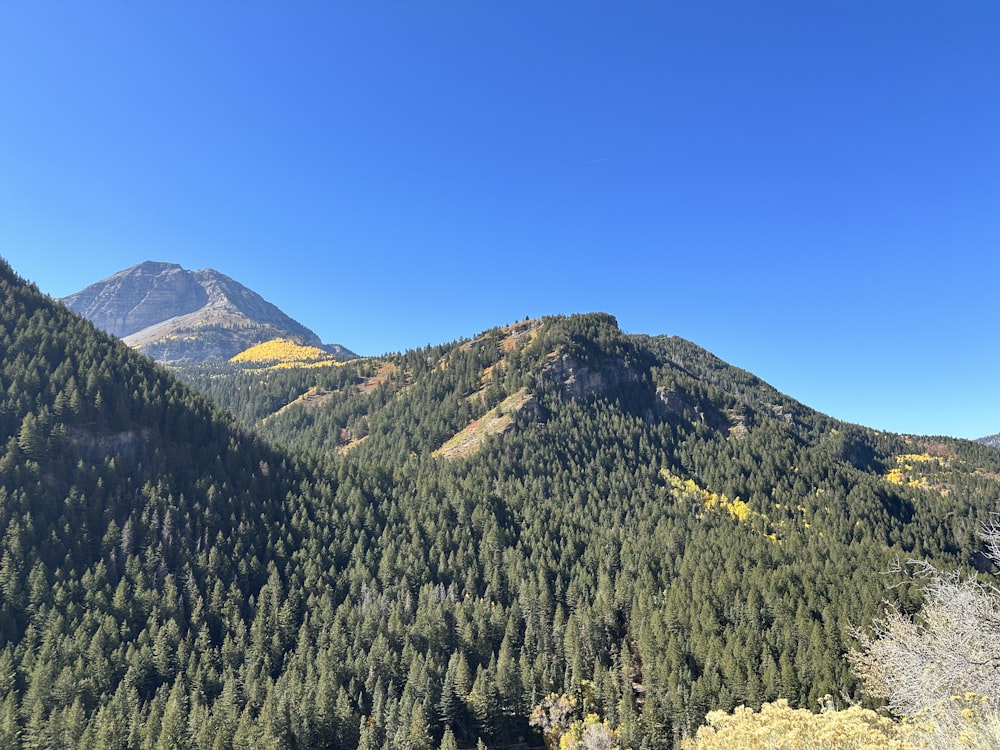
(138, 523)
(992, 440)
(664, 379)
(665, 527)
(186, 317)
(653, 531)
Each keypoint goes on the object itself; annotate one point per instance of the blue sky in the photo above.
(810, 190)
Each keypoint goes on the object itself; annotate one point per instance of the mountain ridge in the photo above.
(649, 530)
(179, 316)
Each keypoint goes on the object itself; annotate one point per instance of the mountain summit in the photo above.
(178, 316)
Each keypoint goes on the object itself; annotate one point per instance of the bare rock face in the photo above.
(139, 297)
(178, 316)
(580, 381)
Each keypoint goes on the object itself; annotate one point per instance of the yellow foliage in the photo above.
(282, 352)
(914, 458)
(777, 726)
(688, 489)
(590, 734)
(895, 476)
(966, 721)
(553, 717)
(901, 474)
(739, 510)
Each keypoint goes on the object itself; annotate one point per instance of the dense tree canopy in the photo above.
(652, 532)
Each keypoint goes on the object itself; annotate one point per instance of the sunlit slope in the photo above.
(284, 353)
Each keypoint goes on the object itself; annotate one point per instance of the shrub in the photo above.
(778, 726)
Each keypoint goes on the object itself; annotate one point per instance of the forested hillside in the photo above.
(140, 527)
(698, 539)
(419, 548)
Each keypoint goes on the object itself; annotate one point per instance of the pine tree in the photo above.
(448, 741)
(173, 725)
(419, 735)
(10, 730)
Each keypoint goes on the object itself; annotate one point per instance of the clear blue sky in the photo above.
(809, 189)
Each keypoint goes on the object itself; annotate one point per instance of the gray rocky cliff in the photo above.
(178, 316)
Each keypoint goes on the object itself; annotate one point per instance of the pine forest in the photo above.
(554, 533)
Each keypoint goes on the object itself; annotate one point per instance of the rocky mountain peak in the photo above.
(140, 296)
(179, 316)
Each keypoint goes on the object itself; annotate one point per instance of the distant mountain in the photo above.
(992, 440)
(178, 316)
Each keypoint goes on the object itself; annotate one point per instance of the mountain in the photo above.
(187, 317)
(126, 502)
(693, 538)
(380, 552)
(992, 440)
